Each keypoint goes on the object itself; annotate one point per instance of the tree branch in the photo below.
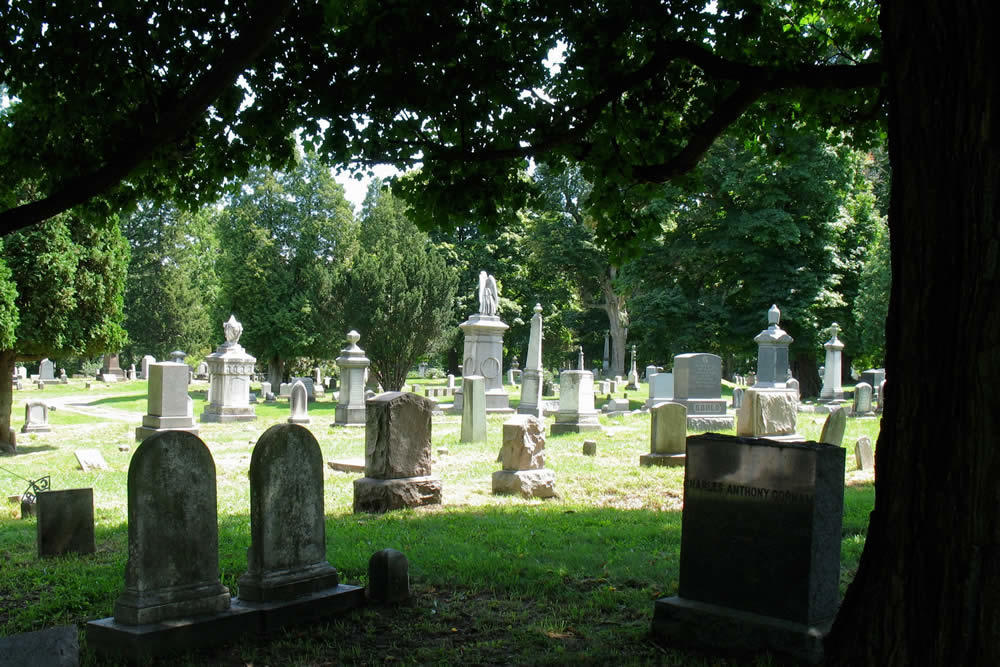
(171, 124)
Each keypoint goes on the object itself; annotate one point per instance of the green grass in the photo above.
(496, 580)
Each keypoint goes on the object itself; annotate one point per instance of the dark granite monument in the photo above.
(760, 547)
(65, 522)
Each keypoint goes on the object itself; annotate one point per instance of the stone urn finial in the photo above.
(233, 330)
(538, 308)
(352, 339)
(774, 315)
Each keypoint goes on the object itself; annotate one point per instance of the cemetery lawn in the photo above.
(495, 580)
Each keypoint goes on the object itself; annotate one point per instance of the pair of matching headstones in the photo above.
(173, 563)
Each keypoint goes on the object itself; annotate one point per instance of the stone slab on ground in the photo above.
(347, 465)
(702, 626)
(382, 495)
(538, 483)
(141, 642)
(274, 615)
(52, 647)
(671, 460)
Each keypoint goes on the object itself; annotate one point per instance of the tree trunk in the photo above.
(806, 371)
(927, 590)
(453, 362)
(614, 306)
(275, 372)
(7, 358)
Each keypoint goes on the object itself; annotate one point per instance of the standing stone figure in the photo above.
(489, 296)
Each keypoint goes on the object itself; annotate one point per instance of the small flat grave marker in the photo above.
(90, 459)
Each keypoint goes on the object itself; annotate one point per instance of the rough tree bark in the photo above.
(927, 591)
(276, 373)
(614, 306)
(7, 358)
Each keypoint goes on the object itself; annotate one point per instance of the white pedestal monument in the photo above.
(230, 368)
(770, 407)
(832, 389)
(353, 366)
(531, 380)
(168, 406)
(576, 404)
(484, 348)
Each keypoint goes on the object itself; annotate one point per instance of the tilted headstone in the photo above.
(90, 459)
(173, 532)
(760, 547)
(65, 522)
(36, 417)
(287, 554)
(230, 368)
(576, 404)
(834, 427)
(473, 409)
(397, 455)
(299, 404)
(522, 457)
(863, 400)
(353, 366)
(667, 435)
(169, 408)
(863, 454)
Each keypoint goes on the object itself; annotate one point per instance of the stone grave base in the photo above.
(143, 432)
(670, 460)
(539, 483)
(575, 423)
(718, 423)
(689, 624)
(344, 416)
(142, 642)
(54, 647)
(347, 465)
(382, 495)
(288, 584)
(216, 415)
(146, 607)
(35, 428)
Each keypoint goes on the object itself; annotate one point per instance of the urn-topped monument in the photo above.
(230, 368)
(484, 347)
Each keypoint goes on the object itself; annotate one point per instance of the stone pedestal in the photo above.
(832, 389)
(230, 368)
(473, 410)
(531, 380)
(168, 406)
(353, 366)
(769, 413)
(109, 367)
(523, 459)
(772, 353)
(576, 404)
(397, 455)
(484, 356)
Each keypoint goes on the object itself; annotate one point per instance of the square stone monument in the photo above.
(667, 436)
(474, 409)
(397, 455)
(353, 365)
(523, 459)
(760, 547)
(698, 387)
(110, 370)
(768, 414)
(230, 368)
(576, 404)
(168, 406)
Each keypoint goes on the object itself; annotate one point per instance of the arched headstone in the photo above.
(173, 532)
(299, 402)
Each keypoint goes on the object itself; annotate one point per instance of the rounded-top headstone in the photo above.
(388, 576)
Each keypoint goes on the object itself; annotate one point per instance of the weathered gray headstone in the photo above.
(863, 454)
(760, 547)
(388, 577)
(147, 359)
(65, 522)
(873, 377)
(738, 397)
(46, 370)
(576, 404)
(36, 417)
(590, 448)
(397, 455)
(698, 387)
(473, 409)
(834, 427)
(661, 389)
(768, 413)
(287, 554)
(667, 435)
(173, 532)
(299, 404)
(863, 400)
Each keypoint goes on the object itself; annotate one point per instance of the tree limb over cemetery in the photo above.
(169, 103)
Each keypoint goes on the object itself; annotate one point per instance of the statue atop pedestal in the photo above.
(484, 347)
